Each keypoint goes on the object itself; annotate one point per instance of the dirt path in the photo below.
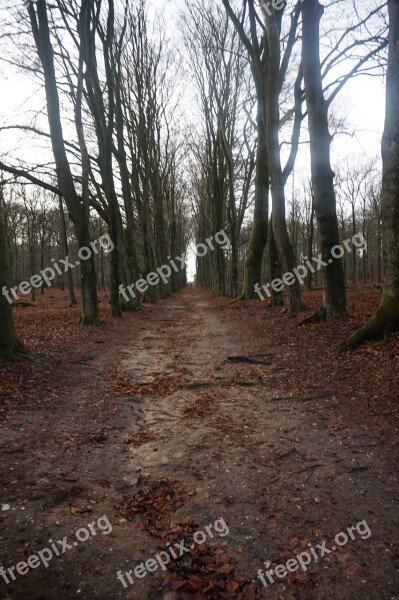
(171, 420)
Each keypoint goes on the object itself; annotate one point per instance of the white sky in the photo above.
(365, 99)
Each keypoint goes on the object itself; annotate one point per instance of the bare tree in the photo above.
(77, 213)
(278, 177)
(334, 298)
(10, 347)
(386, 318)
(223, 149)
(256, 48)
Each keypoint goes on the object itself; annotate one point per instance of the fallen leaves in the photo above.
(141, 437)
(207, 570)
(155, 504)
(200, 407)
(365, 385)
(123, 385)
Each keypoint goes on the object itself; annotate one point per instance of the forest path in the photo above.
(187, 417)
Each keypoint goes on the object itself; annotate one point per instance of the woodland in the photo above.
(160, 166)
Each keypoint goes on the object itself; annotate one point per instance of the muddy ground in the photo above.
(196, 413)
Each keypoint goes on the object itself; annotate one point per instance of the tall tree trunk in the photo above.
(257, 53)
(258, 239)
(130, 232)
(334, 299)
(103, 112)
(281, 237)
(42, 255)
(354, 274)
(274, 265)
(10, 347)
(72, 296)
(231, 215)
(365, 237)
(234, 266)
(309, 276)
(77, 213)
(379, 238)
(386, 318)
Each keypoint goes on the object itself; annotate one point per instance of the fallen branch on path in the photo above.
(198, 384)
(252, 358)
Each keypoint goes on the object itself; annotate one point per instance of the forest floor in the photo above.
(196, 413)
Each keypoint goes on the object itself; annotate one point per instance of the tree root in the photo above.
(320, 316)
(276, 301)
(384, 322)
(89, 320)
(133, 308)
(241, 297)
(236, 299)
(16, 354)
(291, 309)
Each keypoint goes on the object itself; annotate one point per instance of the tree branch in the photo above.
(26, 175)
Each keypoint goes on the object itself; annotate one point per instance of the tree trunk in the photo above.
(274, 265)
(379, 237)
(103, 111)
(258, 239)
(11, 348)
(234, 266)
(354, 274)
(281, 237)
(334, 298)
(386, 318)
(309, 276)
(231, 215)
(132, 262)
(257, 53)
(42, 255)
(77, 213)
(72, 296)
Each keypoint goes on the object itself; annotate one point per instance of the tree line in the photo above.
(297, 58)
(109, 102)
(265, 79)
